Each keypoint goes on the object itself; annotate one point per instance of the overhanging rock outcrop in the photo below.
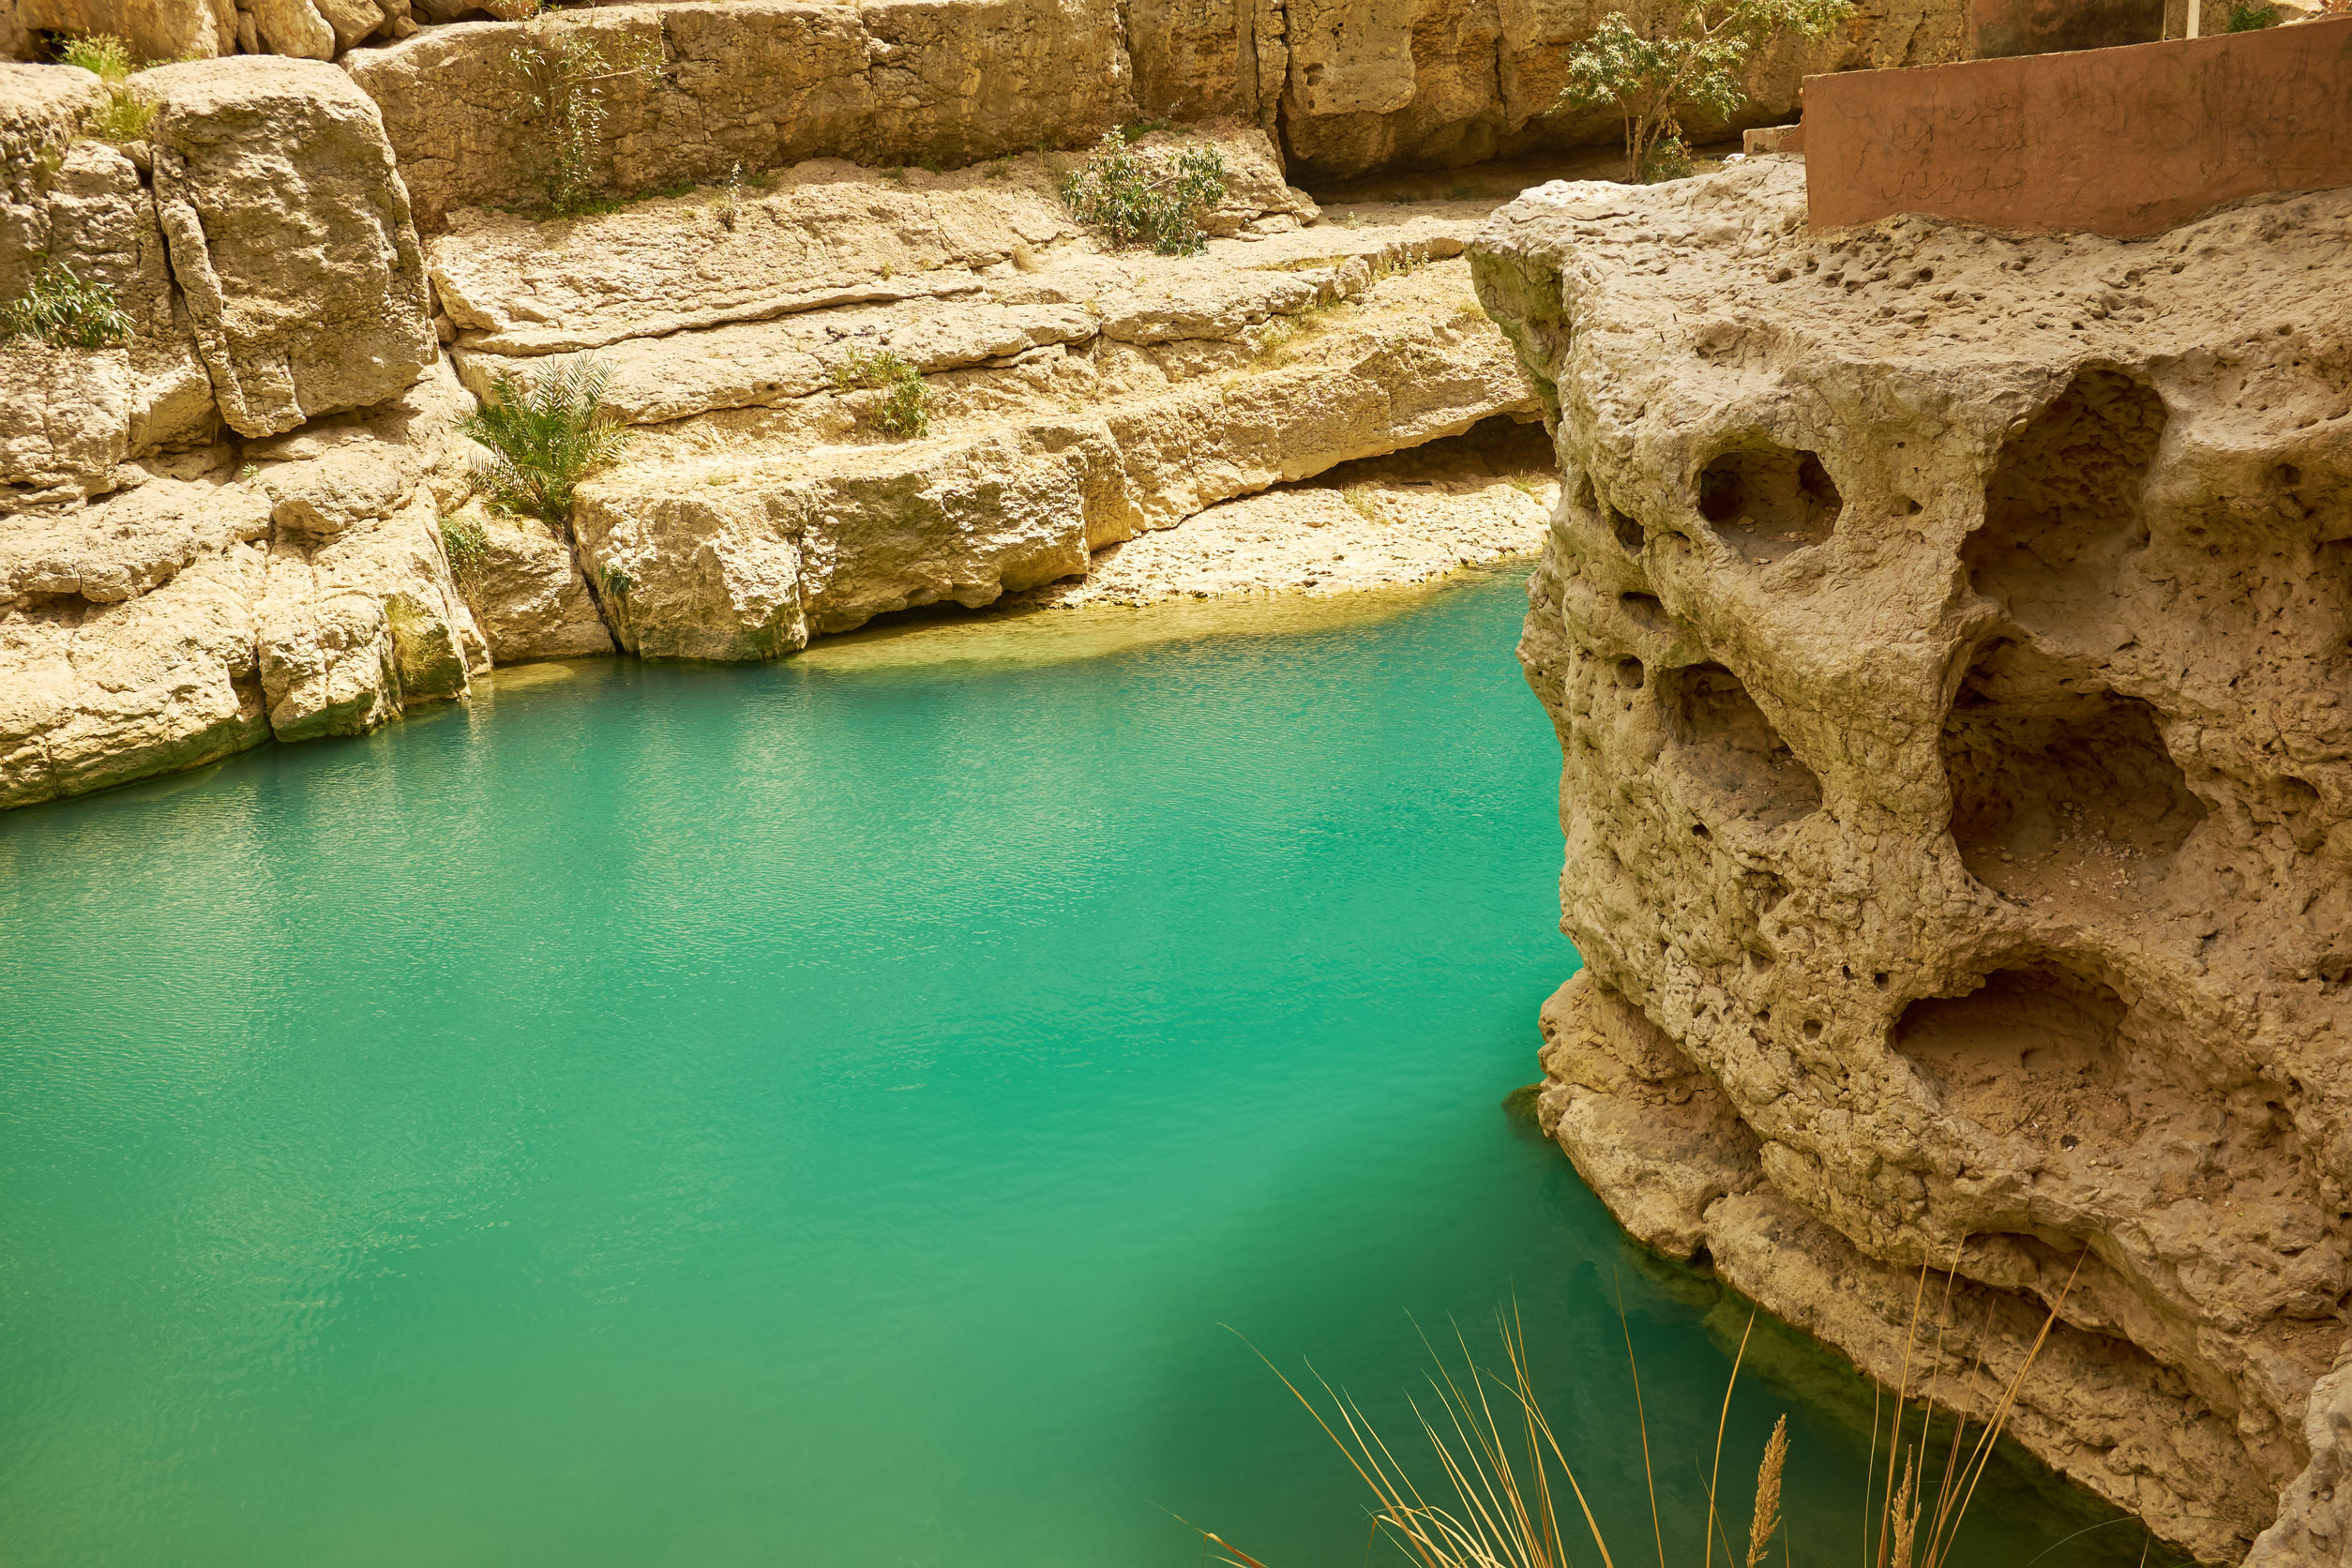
(1950, 638)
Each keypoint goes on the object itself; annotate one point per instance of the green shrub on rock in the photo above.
(58, 308)
(544, 442)
(126, 115)
(564, 74)
(1690, 55)
(467, 549)
(1154, 196)
(906, 412)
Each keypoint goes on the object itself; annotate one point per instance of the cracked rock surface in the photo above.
(1950, 638)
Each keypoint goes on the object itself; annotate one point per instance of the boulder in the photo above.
(528, 595)
(289, 235)
(154, 29)
(93, 694)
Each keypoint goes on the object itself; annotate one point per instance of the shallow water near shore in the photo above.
(828, 1113)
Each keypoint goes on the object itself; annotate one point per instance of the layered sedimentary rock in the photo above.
(170, 592)
(1344, 89)
(762, 83)
(754, 82)
(1949, 637)
(1463, 501)
(1078, 396)
(255, 539)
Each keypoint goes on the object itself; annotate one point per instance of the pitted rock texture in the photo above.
(1950, 636)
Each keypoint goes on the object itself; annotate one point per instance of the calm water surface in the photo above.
(823, 1113)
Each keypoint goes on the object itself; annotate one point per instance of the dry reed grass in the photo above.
(1493, 1504)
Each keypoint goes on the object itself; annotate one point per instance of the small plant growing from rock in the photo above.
(467, 549)
(57, 308)
(906, 412)
(102, 54)
(126, 115)
(728, 207)
(1147, 196)
(544, 442)
(567, 75)
(1691, 55)
(2248, 17)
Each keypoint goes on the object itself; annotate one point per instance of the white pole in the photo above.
(2194, 7)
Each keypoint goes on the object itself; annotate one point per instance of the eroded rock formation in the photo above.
(238, 524)
(1950, 638)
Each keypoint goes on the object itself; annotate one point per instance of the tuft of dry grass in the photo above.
(1493, 1504)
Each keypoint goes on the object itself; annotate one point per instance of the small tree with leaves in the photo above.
(58, 308)
(566, 73)
(544, 442)
(1147, 196)
(1693, 56)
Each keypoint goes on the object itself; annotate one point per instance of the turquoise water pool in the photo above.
(823, 1113)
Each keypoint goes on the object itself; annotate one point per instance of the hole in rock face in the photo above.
(1628, 532)
(1766, 891)
(2058, 792)
(2033, 1049)
(1731, 748)
(1645, 610)
(1629, 673)
(2063, 505)
(1767, 501)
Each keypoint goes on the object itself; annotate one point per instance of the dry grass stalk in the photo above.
(1721, 1420)
(1767, 1516)
(1496, 1508)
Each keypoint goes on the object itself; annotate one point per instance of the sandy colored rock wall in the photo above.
(1344, 89)
(2122, 141)
(229, 527)
(1949, 637)
(755, 83)
(256, 520)
(1078, 396)
(1444, 82)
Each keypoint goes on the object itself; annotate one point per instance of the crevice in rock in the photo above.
(1766, 501)
(1723, 741)
(2059, 791)
(2064, 506)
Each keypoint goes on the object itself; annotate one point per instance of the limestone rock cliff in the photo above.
(1078, 396)
(1343, 89)
(1949, 637)
(229, 527)
(237, 525)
